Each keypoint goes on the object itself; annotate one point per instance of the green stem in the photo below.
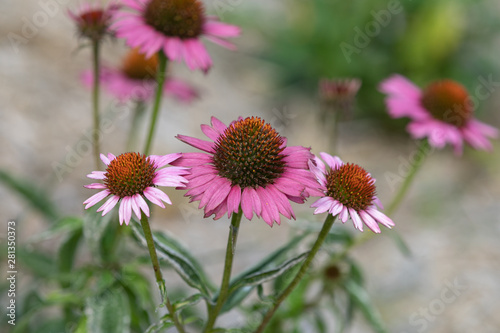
(139, 109)
(423, 151)
(156, 267)
(160, 80)
(95, 103)
(226, 277)
(303, 269)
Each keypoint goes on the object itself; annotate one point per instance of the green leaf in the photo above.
(320, 323)
(257, 278)
(37, 262)
(66, 254)
(94, 226)
(355, 272)
(175, 245)
(362, 301)
(187, 302)
(239, 289)
(182, 265)
(164, 323)
(64, 225)
(34, 196)
(274, 257)
(108, 312)
(339, 235)
(400, 243)
(284, 280)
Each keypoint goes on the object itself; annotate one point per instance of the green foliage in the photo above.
(186, 267)
(108, 312)
(34, 196)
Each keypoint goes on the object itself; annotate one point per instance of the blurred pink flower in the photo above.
(247, 164)
(348, 190)
(174, 26)
(442, 112)
(136, 80)
(131, 178)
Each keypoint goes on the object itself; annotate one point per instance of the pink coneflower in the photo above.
(93, 21)
(136, 79)
(442, 112)
(247, 164)
(338, 91)
(348, 190)
(173, 26)
(131, 178)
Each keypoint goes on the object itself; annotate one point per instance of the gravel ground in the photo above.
(450, 218)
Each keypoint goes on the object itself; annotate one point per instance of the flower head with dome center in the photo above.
(247, 164)
(348, 190)
(136, 80)
(173, 26)
(442, 112)
(92, 21)
(132, 178)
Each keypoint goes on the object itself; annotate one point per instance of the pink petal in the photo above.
(109, 204)
(380, 217)
(250, 203)
(210, 132)
(193, 159)
(135, 206)
(142, 205)
(220, 29)
(197, 143)
(234, 199)
(369, 221)
(152, 197)
(96, 198)
(158, 194)
(218, 125)
(97, 175)
(95, 186)
(125, 211)
(269, 209)
(333, 162)
(358, 224)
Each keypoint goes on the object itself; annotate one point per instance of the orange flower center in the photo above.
(447, 101)
(129, 174)
(176, 18)
(249, 153)
(136, 66)
(352, 186)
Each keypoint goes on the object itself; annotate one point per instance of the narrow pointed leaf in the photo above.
(257, 278)
(170, 241)
(108, 313)
(186, 269)
(34, 196)
(361, 300)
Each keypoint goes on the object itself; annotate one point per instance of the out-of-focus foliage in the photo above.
(423, 40)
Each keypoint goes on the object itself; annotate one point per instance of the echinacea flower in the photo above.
(131, 179)
(348, 191)
(338, 92)
(442, 112)
(136, 80)
(174, 26)
(247, 164)
(93, 21)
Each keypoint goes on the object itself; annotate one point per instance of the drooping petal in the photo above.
(96, 198)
